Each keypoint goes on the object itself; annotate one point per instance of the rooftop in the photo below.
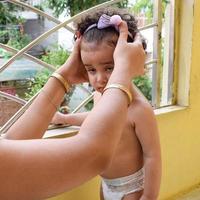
(21, 69)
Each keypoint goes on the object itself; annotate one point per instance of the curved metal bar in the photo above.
(83, 103)
(16, 116)
(38, 11)
(11, 97)
(148, 26)
(53, 19)
(19, 113)
(46, 34)
(23, 109)
(22, 51)
(151, 62)
(28, 56)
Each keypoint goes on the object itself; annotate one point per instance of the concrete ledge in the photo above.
(168, 109)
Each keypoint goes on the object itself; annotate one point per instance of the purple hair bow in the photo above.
(106, 21)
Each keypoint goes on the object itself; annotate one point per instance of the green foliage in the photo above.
(4, 36)
(17, 40)
(6, 16)
(76, 6)
(89, 105)
(146, 6)
(145, 86)
(56, 57)
(38, 82)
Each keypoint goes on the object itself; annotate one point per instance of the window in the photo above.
(158, 28)
(157, 20)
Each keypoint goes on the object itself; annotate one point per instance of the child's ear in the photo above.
(77, 35)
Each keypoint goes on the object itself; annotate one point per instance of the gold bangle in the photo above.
(64, 83)
(122, 88)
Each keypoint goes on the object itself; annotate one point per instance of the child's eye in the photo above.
(92, 71)
(109, 69)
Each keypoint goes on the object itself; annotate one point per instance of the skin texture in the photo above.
(139, 144)
(33, 168)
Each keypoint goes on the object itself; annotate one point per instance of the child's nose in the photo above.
(101, 78)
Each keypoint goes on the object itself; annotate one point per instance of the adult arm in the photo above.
(38, 169)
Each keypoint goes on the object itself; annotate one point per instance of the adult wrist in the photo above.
(64, 82)
(121, 78)
(64, 73)
(123, 72)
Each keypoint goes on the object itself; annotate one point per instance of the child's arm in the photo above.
(147, 132)
(74, 119)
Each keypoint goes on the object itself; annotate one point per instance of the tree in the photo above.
(6, 16)
(146, 6)
(73, 7)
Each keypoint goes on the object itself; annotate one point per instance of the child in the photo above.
(135, 170)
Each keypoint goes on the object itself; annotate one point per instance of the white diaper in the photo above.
(116, 189)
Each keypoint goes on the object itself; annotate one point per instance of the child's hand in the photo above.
(129, 55)
(73, 68)
(58, 118)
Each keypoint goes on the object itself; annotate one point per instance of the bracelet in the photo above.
(64, 83)
(122, 88)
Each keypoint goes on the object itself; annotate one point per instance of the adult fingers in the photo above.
(123, 32)
(77, 44)
(138, 39)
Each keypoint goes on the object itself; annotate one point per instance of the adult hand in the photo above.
(130, 56)
(73, 69)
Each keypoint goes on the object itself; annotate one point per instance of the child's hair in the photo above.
(106, 34)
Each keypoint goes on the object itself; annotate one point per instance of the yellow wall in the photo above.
(179, 130)
(180, 133)
(88, 191)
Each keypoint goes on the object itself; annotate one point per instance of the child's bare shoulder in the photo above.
(140, 109)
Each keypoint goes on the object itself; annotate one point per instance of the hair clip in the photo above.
(106, 21)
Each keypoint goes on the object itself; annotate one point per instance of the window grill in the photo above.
(161, 87)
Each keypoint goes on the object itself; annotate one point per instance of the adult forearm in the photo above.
(35, 120)
(48, 167)
(38, 169)
(105, 128)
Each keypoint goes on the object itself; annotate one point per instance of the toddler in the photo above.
(135, 170)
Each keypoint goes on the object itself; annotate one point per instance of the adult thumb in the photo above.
(123, 32)
(77, 44)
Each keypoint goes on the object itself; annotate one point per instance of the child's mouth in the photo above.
(100, 89)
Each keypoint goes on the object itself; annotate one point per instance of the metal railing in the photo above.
(8, 124)
(155, 61)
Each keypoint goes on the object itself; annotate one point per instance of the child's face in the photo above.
(99, 63)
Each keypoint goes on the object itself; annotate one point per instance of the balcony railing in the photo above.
(157, 24)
